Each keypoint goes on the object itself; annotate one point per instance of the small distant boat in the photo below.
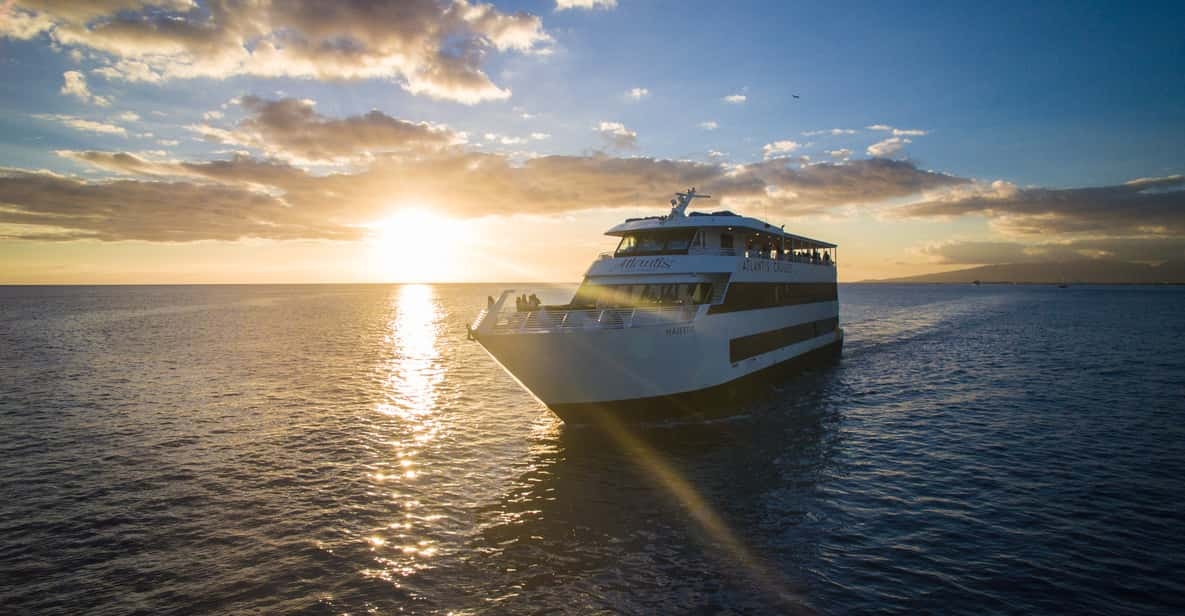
(691, 310)
(976, 282)
(1062, 285)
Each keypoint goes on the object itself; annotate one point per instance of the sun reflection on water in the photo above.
(409, 383)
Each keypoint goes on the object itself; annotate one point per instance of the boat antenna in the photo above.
(682, 200)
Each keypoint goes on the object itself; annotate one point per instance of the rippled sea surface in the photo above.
(344, 449)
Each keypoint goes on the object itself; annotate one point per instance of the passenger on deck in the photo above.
(489, 301)
(534, 302)
(826, 258)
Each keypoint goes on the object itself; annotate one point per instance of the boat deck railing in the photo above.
(570, 320)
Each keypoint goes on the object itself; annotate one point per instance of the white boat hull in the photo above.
(655, 369)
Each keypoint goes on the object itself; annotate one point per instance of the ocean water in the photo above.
(344, 449)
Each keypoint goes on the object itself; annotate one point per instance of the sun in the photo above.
(416, 245)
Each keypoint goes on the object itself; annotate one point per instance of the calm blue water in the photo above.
(344, 449)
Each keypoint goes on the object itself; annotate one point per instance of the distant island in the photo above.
(1073, 272)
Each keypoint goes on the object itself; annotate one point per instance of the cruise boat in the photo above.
(684, 318)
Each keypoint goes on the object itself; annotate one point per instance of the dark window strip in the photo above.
(756, 344)
(756, 295)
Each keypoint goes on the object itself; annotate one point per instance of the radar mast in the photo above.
(682, 200)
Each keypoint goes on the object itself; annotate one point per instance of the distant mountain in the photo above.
(1083, 272)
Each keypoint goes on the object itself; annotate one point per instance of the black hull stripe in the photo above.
(757, 295)
(717, 401)
(764, 342)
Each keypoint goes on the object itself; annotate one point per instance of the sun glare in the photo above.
(416, 245)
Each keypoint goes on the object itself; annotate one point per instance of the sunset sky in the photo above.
(305, 141)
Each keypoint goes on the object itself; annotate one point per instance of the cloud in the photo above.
(212, 115)
(898, 132)
(841, 153)
(618, 136)
(504, 139)
(1129, 249)
(128, 116)
(74, 84)
(637, 94)
(831, 131)
(736, 99)
(89, 126)
(888, 147)
(817, 187)
(776, 148)
(562, 5)
(1145, 206)
(158, 199)
(709, 125)
(292, 129)
(540, 136)
(431, 48)
(69, 209)
(163, 200)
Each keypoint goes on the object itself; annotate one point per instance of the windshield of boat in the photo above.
(664, 242)
(639, 295)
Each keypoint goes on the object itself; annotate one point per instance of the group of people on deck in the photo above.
(525, 303)
(798, 256)
(522, 303)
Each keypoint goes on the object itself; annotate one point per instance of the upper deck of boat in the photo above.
(722, 221)
(699, 220)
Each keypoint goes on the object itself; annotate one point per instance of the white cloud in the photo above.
(716, 154)
(736, 99)
(776, 148)
(504, 139)
(830, 131)
(842, 153)
(540, 136)
(74, 84)
(129, 116)
(562, 5)
(709, 125)
(637, 94)
(169, 142)
(888, 147)
(431, 48)
(898, 132)
(89, 126)
(212, 115)
(618, 135)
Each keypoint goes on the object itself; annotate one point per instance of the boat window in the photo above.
(726, 240)
(650, 243)
(674, 241)
(639, 295)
